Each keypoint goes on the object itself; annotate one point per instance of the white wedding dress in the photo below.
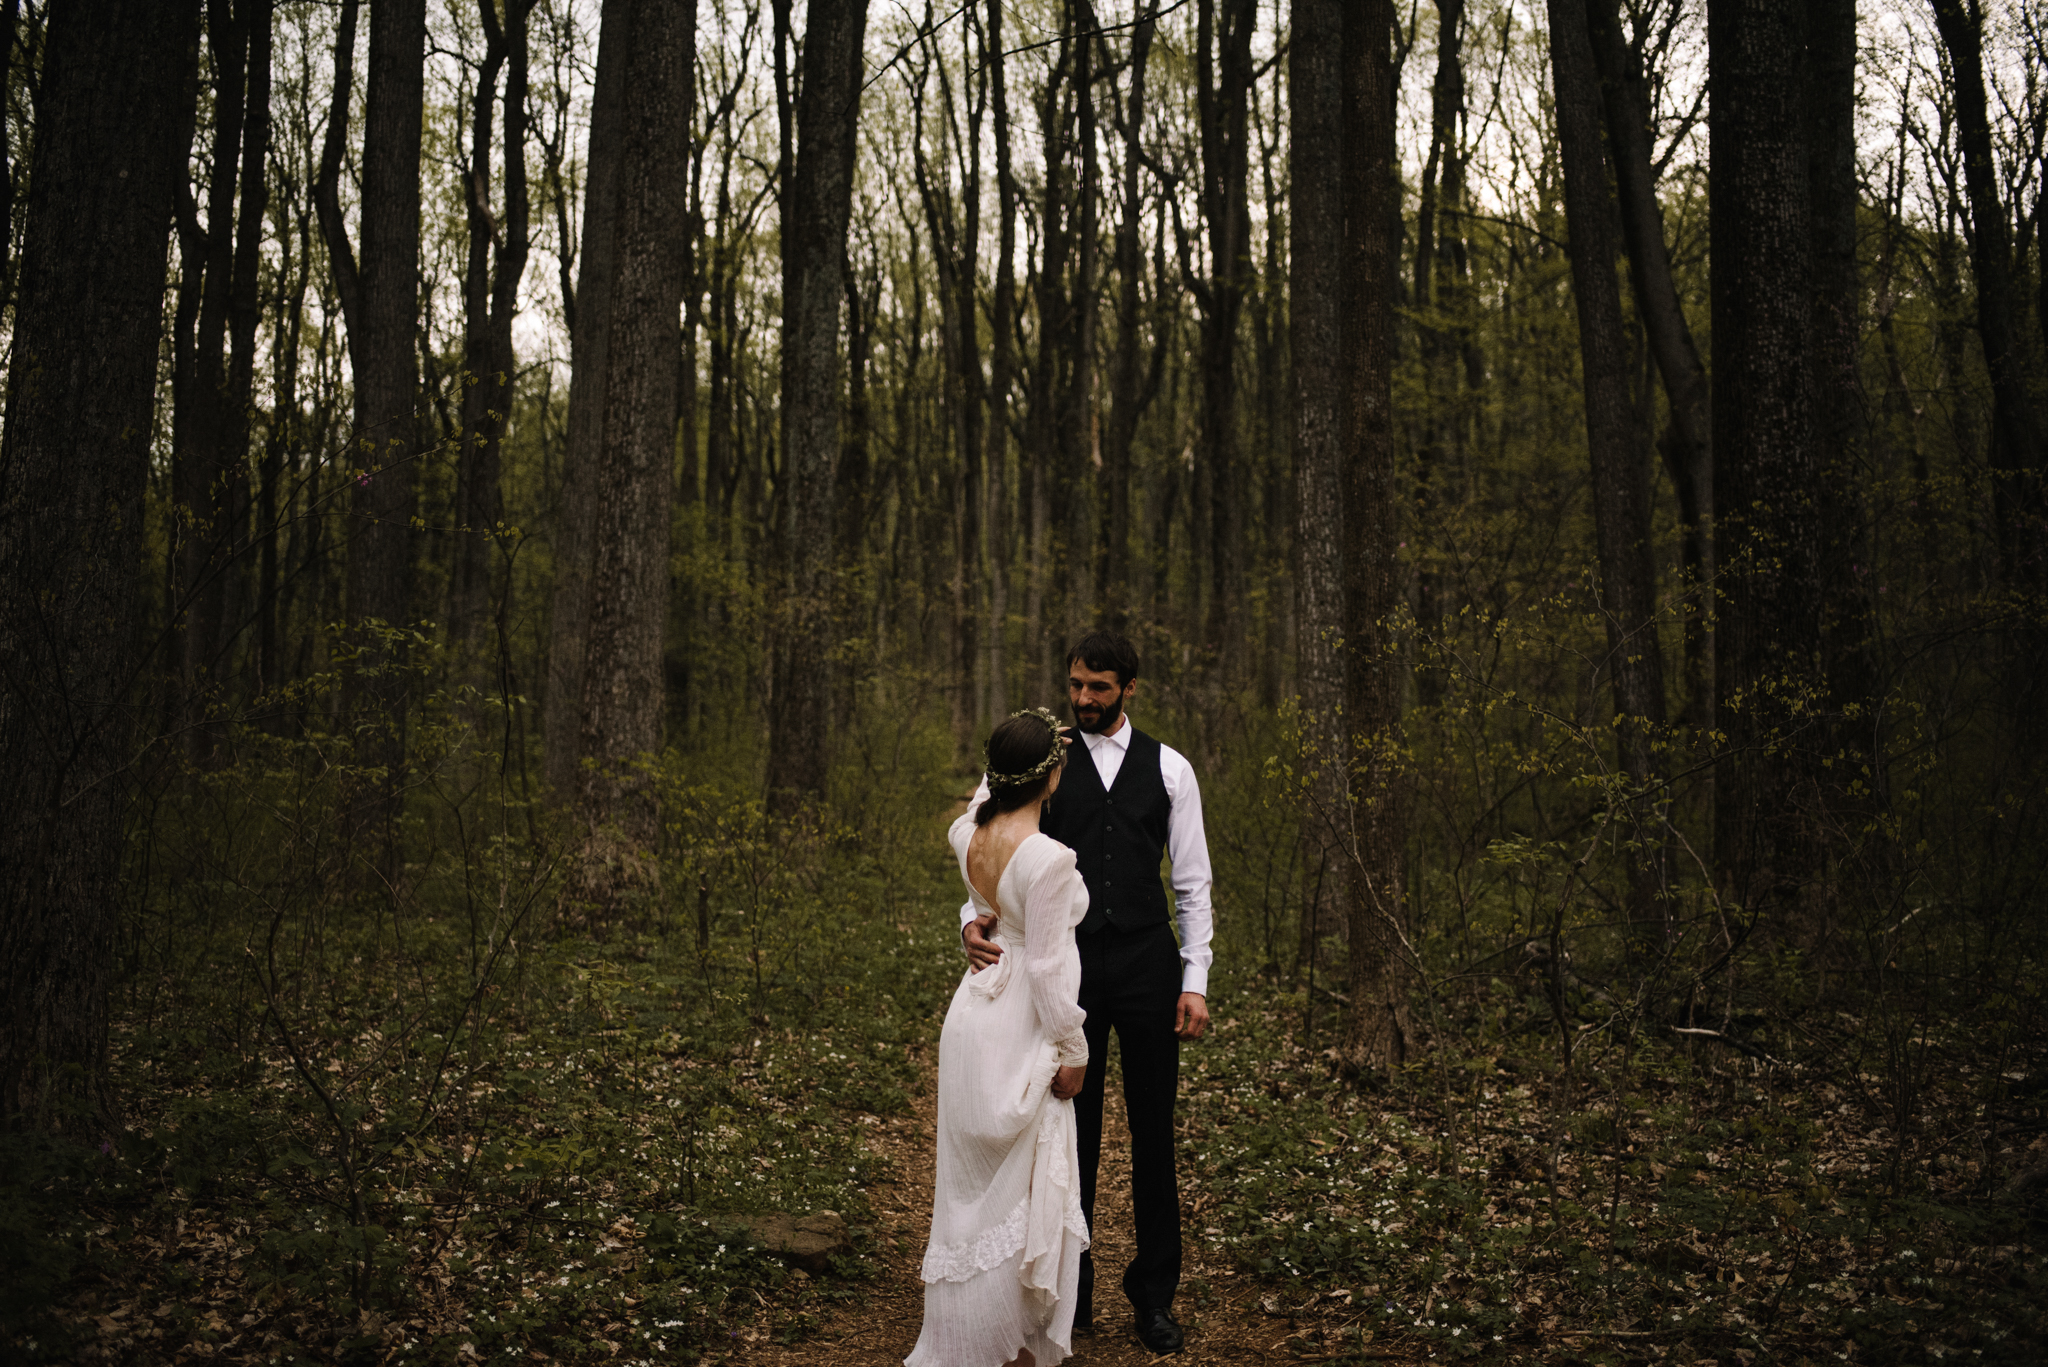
(1004, 1263)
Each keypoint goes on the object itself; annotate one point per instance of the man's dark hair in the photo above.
(1105, 650)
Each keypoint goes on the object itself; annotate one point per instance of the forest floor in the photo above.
(396, 1146)
(881, 1329)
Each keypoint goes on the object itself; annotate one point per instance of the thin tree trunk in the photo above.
(1440, 176)
(207, 476)
(1080, 454)
(1317, 283)
(1223, 96)
(816, 209)
(622, 675)
(245, 306)
(1045, 490)
(1621, 485)
(2016, 438)
(1768, 534)
(589, 346)
(490, 295)
(1687, 445)
(110, 153)
(1002, 362)
(1841, 423)
(1133, 383)
(11, 157)
(282, 439)
(956, 235)
(1376, 1029)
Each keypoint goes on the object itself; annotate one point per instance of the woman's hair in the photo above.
(1025, 750)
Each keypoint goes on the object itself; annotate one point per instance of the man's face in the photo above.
(1097, 700)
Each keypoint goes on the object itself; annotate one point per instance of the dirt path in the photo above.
(1224, 1323)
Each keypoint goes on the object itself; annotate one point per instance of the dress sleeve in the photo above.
(1052, 961)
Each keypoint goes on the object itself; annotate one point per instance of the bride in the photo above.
(1004, 1262)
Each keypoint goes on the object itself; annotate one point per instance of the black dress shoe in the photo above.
(1159, 1331)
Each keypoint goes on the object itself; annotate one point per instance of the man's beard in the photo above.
(1104, 720)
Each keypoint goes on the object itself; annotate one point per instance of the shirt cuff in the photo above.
(1074, 1051)
(1194, 978)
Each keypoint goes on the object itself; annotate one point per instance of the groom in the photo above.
(1122, 804)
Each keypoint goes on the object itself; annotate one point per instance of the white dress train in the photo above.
(1004, 1263)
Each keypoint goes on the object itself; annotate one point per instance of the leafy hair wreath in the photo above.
(1037, 771)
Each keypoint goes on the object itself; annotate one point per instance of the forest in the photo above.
(517, 518)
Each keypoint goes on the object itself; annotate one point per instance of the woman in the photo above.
(1004, 1263)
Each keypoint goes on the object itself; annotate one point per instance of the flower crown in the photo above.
(1037, 771)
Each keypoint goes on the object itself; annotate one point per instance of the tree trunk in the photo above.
(1687, 447)
(1842, 464)
(211, 388)
(1045, 491)
(384, 325)
(1133, 381)
(955, 229)
(1317, 285)
(282, 438)
(1223, 97)
(1439, 417)
(1768, 535)
(1080, 453)
(245, 307)
(589, 346)
(110, 154)
(622, 676)
(1002, 364)
(490, 297)
(1621, 486)
(816, 209)
(1376, 1031)
(2016, 438)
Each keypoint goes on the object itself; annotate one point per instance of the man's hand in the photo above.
(1191, 1016)
(1066, 1083)
(982, 951)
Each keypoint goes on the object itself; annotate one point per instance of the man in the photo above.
(1125, 800)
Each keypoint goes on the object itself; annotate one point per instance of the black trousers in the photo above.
(1130, 982)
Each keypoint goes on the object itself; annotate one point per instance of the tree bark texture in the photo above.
(1317, 288)
(589, 348)
(384, 325)
(622, 675)
(1376, 1031)
(1687, 444)
(1769, 536)
(1621, 484)
(109, 158)
(1223, 89)
(816, 210)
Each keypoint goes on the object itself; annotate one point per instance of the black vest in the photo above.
(1117, 835)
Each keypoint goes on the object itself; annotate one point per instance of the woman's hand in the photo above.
(1066, 1083)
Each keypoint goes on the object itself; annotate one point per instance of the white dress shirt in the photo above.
(1187, 847)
